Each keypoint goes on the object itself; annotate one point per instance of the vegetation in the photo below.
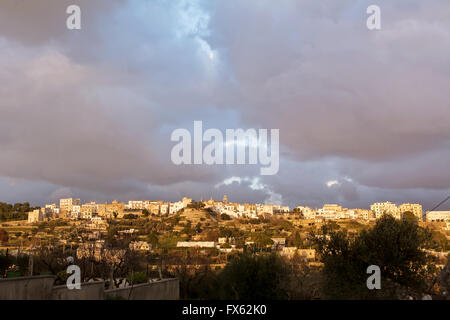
(3, 236)
(18, 211)
(247, 265)
(393, 245)
(251, 276)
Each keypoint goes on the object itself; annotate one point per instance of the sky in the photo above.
(363, 115)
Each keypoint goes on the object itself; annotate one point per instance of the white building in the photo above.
(437, 216)
(264, 208)
(331, 211)
(51, 211)
(87, 210)
(76, 209)
(136, 205)
(281, 209)
(140, 246)
(175, 207)
(414, 208)
(67, 204)
(35, 216)
(307, 212)
(196, 244)
(164, 209)
(380, 208)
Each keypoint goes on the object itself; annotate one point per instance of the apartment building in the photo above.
(331, 211)
(164, 209)
(264, 208)
(364, 214)
(380, 208)
(307, 212)
(138, 205)
(87, 210)
(281, 209)
(414, 208)
(110, 210)
(35, 216)
(437, 216)
(66, 205)
(175, 207)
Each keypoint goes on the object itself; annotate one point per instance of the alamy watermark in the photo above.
(74, 280)
(231, 150)
(374, 20)
(73, 21)
(374, 281)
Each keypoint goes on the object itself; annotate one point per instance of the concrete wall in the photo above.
(41, 288)
(27, 288)
(89, 291)
(165, 289)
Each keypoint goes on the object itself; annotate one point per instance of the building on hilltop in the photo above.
(436, 216)
(196, 244)
(35, 216)
(414, 208)
(380, 208)
(66, 205)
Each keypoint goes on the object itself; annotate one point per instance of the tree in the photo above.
(295, 240)
(152, 238)
(225, 216)
(3, 236)
(198, 228)
(262, 240)
(408, 215)
(396, 246)
(255, 277)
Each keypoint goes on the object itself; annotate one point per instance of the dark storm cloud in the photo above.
(90, 112)
(334, 87)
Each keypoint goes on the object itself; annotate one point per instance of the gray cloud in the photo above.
(90, 112)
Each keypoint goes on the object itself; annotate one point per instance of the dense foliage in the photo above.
(18, 211)
(396, 246)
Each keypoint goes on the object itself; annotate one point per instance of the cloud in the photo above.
(338, 89)
(254, 184)
(91, 111)
(332, 183)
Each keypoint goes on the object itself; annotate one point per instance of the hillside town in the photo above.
(74, 209)
(95, 221)
(154, 240)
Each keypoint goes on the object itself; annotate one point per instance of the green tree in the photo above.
(3, 236)
(254, 277)
(408, 215)
(225, 216)
(262, 240)
(396, 246)
(152, 238)
(137, 278)
(295, 240)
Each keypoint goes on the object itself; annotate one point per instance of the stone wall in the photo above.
(166, 289)
(42, 288)
(89, 291)
(27, 288)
